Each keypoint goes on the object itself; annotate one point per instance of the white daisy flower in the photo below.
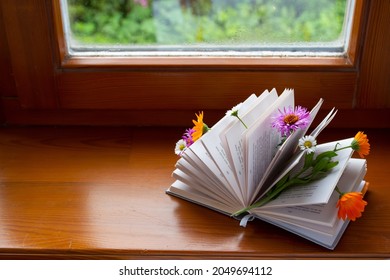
(180, 147)
(307, 143)
(234, 110)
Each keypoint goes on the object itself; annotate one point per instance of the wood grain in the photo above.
(27, 29)
(349, 118)
(374, 83)
(172, 90)
(99, 193)
(49, 87)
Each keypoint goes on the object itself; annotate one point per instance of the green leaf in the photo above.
(321, 164)
(300, 181)
(331, 165)
(328, 154)
(318, 175)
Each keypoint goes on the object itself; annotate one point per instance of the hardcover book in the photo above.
(260, 161)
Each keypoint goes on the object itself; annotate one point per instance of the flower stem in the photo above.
(255, 205)
(241, 121)
(338, 191)
(322, 163)
(342, 148)
(267, 198)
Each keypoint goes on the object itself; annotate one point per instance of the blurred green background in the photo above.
(170, 22)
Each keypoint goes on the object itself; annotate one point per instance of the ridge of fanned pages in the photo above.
(233, 166)
(318, 222)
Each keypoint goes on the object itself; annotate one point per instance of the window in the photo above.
(207, 27)
(42, 83)
(83, 39)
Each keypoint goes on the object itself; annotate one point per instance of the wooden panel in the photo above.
(100, 193)
(198, 90)
(374, 82)
(350, 118)
(100, 91)
(27, 29)
(7, 85)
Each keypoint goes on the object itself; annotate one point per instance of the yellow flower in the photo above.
(199, 127)
(360, 144)
(351, 205)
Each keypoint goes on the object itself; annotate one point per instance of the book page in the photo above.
(188, 193)
(201, 178)
(244, 108)
(234, 136)
(318, 191)
(322, 214)
(204, 170)
(323, 238)
(280, 164)
(324, 123)
(205, 166)
(262, 143)
(193, 182)
(285, 154)
(238, 128)
(214, 146)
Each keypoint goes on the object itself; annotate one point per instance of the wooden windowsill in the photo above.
(99, 193)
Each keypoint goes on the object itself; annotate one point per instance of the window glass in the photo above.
(202, 27)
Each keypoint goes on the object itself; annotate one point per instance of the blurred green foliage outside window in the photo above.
(186, 22)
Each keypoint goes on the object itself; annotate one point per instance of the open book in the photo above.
(240, 161)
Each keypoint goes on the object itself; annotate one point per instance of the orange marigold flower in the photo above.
(360, 144)
(351, 205)
(199, 127)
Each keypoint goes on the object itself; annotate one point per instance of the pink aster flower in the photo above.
(291, 119)
(187, 137)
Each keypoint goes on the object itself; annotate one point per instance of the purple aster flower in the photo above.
(291, 119)
(187, 136)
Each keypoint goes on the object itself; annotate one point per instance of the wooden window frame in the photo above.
(41, 84)
(337, 62)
